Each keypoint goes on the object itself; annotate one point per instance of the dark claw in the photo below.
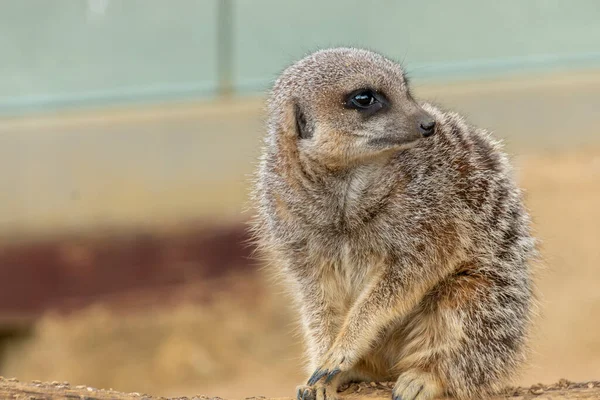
(396, 397)
(318, 374)
(313, 375)
(302, 394)
(332, 374)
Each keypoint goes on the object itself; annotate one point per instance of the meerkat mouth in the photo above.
(387, 142)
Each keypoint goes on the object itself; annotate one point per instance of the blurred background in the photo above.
(128, 133)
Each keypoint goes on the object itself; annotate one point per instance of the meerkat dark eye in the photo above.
(365, 100)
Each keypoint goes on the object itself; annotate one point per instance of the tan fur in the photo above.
(408, 260)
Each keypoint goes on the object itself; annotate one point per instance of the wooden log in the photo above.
(36, 390)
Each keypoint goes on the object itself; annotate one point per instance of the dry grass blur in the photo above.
(563, 193)
(244, 345)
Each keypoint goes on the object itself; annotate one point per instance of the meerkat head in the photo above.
(345, 106)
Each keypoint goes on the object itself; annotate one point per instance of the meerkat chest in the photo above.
(349, 271)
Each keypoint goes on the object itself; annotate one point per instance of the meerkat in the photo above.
(399, 230)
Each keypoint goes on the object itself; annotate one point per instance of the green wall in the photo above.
(67, 53)
(434, 38)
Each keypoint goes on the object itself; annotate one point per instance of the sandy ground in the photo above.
(14, 389)
(240, 346)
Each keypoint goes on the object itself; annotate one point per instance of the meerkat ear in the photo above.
(303, 129)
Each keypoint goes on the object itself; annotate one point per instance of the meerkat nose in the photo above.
(427, 126)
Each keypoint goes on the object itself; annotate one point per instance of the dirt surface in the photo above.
(13, 389)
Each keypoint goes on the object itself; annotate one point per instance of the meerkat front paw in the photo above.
(334, 362)
(416, 385)
(316, 392)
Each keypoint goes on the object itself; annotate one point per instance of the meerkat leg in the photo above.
(320, 332)
(428, 336)
(322, 317)
(465, 338)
